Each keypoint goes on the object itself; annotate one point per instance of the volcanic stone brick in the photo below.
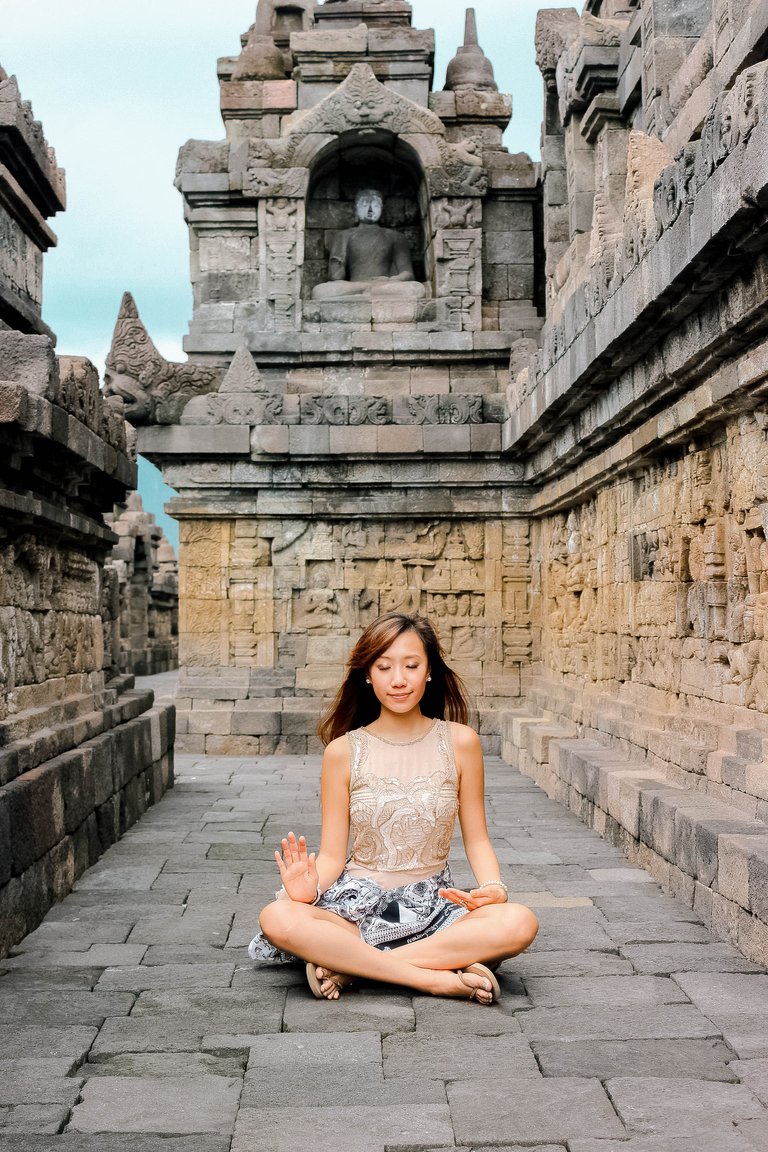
(127, 1104)
(535, 1111)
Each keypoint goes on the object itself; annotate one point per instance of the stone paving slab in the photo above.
(35, 1041)
(753, 1073)
(356, 1129)
(164, 1065)
(603, 1059)
(170, 1106)
(50, 1007)
(444, 1056)
(618, 990)
(337, 1087)
(144, 977)
(133, 1019)
(756, 1132)
(595, 1022)
(310, 1050)
(666, 959)
(110, 876)
(49, 978)
(126, 1035)
(572, 962)
(656, 1105)
(47, 1118)
(163, 955)
(97, 956)
(713, 1142)
(545, 1111)
(657, 932)
(362, 1011)
(136, 1142)
(28, 1085)
(462, 1017)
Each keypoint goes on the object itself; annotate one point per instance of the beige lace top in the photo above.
(403, 801)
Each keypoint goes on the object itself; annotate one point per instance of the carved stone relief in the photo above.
(145, 387)
(677, 558)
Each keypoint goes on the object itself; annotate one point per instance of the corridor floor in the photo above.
(132, 1019)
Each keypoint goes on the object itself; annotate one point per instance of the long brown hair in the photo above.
(356, 705)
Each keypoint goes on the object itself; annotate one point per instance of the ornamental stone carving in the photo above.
(143, 385)
(556, 30)
(363, 102)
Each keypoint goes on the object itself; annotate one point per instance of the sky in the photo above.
(119, 87)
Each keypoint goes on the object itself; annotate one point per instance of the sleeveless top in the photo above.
(403, 802)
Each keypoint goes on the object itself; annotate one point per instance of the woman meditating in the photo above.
(400, 763)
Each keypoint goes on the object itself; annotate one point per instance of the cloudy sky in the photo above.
(120, 86)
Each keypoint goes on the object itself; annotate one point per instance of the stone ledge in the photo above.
(287, 348)
(588, 358)
(707, 853)
(58, 818)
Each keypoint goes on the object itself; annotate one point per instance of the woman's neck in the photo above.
(401, 727)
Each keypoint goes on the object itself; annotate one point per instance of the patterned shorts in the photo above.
(386, 917)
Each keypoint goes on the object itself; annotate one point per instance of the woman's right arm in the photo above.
(334, 801)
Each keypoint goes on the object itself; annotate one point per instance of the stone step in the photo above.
(752, 745)
(28, 752)
(709, 851)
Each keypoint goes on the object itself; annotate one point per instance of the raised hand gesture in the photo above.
(297, 869)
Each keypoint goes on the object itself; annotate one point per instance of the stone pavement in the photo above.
(133, 1019)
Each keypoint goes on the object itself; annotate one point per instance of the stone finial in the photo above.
(261, 59)
(243, 374)
(470, 68)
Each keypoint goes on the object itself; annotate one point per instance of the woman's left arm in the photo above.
(474, 830)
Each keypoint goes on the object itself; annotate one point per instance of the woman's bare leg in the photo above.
(324, 939)
(489, 934)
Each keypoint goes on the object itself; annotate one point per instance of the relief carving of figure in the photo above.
(399, 596)
(369, 260)
(319, 604)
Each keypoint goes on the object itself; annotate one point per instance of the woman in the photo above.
(396, 773)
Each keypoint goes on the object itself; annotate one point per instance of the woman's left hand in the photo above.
(476, 898)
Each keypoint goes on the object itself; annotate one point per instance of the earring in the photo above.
(429, 678)
(367, 680)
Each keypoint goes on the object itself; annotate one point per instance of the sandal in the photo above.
(315, 983)
(481, 970)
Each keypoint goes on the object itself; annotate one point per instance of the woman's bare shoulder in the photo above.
(336, 754)
(464, 738)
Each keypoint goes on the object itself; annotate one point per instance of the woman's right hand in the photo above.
(298, 871)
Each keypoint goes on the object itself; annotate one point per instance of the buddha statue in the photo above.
(368, 260)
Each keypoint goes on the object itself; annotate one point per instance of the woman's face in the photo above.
(399, 675)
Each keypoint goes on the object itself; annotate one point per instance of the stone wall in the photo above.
(642, 420)
(82, 753)
(148, 587)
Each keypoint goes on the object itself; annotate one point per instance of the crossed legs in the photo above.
(488, 934)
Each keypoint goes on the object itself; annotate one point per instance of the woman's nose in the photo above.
(398, 676)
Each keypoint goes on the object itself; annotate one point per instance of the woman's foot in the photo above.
(327, 985)
(481, 982)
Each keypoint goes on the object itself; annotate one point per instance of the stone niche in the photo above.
(351, 163)
(82, 753)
